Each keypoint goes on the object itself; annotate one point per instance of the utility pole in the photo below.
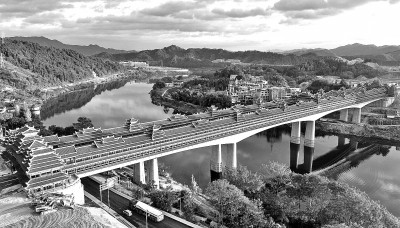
(108, 196)
(146, 219)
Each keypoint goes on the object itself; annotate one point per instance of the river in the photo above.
(373, 167)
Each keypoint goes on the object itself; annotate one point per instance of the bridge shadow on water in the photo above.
(346, 156)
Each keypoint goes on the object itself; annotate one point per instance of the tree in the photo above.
(27, 114)
(194, 186)
(163, 199)
(235, 209)
(83, 122)
(158, 85)
(166, 79)
(17, 110)
(225, 197)
(276, 80)
(243, 179)
(188, 206)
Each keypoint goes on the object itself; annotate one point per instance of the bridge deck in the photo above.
(139, 146)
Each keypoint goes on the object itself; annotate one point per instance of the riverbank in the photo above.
(390, 133)
(38, 97)
(158, 98)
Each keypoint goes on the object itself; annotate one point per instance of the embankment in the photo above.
(178, 106)
(391, 133)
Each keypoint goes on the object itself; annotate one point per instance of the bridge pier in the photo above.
(152, 172)
(216, 162)
(356, 115)
(344, 115)
(353, 144)
(139, 173)
(231, 156)
(341, 140)
(309, 146)
(295, 145)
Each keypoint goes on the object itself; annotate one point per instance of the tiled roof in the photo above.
(51, 138)
(46, 180)
(35, 144)
(42, 151)
(66, 152)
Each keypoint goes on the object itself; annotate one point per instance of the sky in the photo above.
(233, 25)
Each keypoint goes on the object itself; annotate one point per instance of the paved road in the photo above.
(118, 204)
(8, 181)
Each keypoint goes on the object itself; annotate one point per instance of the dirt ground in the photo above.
(15, 212)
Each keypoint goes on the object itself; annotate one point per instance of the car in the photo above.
(127, 212)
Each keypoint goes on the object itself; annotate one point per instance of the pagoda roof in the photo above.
(106, 140)
(66, 152)
(35, 144)
(46, 180)
(43, 151)
(51, 138)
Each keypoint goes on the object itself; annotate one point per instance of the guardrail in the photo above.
(213, 132)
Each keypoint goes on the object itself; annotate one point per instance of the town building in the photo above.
(277, 93)
(134, 64)
(250, 89)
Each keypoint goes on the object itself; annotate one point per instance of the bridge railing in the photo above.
(213, 134)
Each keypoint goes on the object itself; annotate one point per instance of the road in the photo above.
(119, 203)
(8, 181)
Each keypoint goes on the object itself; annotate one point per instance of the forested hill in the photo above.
(30, 64)
(193, 57)
(88, 50)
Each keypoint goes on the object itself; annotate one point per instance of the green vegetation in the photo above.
(24, 117)
(163, 199)
(295, 200)
(49, 65)
(201, 99)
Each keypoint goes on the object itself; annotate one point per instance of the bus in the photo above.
(152, 213)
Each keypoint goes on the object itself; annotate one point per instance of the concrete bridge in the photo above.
(49, 162)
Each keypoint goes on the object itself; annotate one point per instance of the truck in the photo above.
(147, 210)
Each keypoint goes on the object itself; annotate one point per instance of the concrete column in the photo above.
(139, 173)
(295, 135)
(152, 172)
(231, 156)
(341, 140)
(353, 144)
(216, 162)
(344, 115)
(294, 156)
(356, 115)
(295, 145)
(309, 146)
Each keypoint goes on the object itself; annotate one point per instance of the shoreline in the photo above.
(39, 97)
(178, 106)
(375, 132)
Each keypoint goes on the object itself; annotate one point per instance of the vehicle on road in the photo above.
(142, 208)
(127, 212)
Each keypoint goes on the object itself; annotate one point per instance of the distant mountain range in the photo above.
(85, 50)
(195, 57)
(381, 54)
(198, 57)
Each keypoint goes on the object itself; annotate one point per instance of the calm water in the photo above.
(373, 169)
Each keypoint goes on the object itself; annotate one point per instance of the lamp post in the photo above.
(146, 219)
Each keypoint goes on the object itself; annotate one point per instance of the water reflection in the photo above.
(371, 166)
(108, 109)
